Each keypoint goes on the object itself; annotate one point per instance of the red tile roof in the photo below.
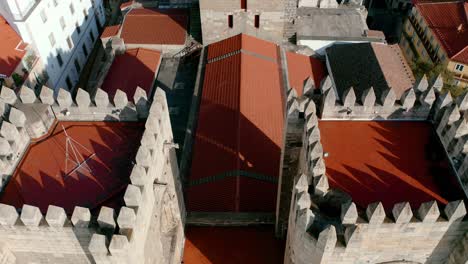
(449, 22)
(390, 162)
(136, 67)
(45, 176)
(110, 31)
(240, 128)
(301, 67)
(153, 26)
(10, 53)
(244, 42)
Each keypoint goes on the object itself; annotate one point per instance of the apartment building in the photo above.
(438, 33)
(62, 34)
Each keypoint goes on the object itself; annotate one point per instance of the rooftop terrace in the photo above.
(390, 162)
(46, 176)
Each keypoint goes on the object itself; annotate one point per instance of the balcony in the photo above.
(426, 43)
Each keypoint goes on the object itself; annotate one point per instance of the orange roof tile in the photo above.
(155, 26)
(10, 54)
(110, 31)
(240, 129)
(301, 67)
(449, 23)
(136, 67)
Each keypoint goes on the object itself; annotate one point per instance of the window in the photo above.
(59, 59)
(85, 50)
(62, 23)
(78, 29)
(244, 4)
(85, 13)
(70, 42)
(230, 21)
(52, 39)
(257, 21)
(43, 16)
(459, 67)
(91, 36)
(77, 66)
(69, 83)
(72, 9)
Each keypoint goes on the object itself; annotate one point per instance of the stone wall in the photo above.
(428, 234)
(214, 19)
(148, 229)
(414, 104)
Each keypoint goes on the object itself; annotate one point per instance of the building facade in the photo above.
(439, 39)
(62, 33)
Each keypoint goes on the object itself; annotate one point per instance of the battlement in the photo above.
(414, 104)
(151, 207)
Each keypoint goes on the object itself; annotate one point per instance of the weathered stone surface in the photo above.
(56, 216)
(438, 83)
(455, 210)
(9, 131)
(349, 97)
(64, 98)
(143, 157)
(302, 184)
(132, 196)
(375, 213)
(17, 117)
(138, 176)
(97, 245)
(8, 95)
(82, 99)
(327, 239)
(81, 217)
(120, 99)
(5, 148)
(27, 95)
(8, 215)
(408, 99)
(402, 212)
(388, 97)
(349, 214)
(126, 221)
(119, 245)
(423, 84)
(303, 200)
(106, 218)
(428, 212)
(31, 215)
(321, 185)
(101, 98)
(368, 97)
(47, 95)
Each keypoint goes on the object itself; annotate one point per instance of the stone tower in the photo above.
(264, 19)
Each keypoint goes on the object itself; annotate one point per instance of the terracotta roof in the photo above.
(44, 175)
(240, 129)
(301, 67)
(244, 42)
(110, 31)
(153, 26)
(390, 162)
(10, 53)
(376, 34)
(364, 65)
(449, 23)
(136, 67)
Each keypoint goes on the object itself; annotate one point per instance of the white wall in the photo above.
(319, 46)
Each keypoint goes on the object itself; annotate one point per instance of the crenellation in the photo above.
(31, 216)
(428, 212)
(133, 196)
(101, 99)
(119, 245)
(126, 221)
(27, 95)
(143, 156)
(106, 219)
(120, 99)
(83, 99)
(47, 95)
(8, 96)
(349, 98)
(438, 83)
(388, 98)
(303, 200)
(321, 185)
(402, 213)
(375, 213)
(422, 85)
(17, 117)
(427, 98)
(98, 248)
(64, 99)
(81, 217)
(56, 216)
(139, 175)
(141, 102)
(368, 97)
(349, 213)
(408, 99)
(455, 210)
(8, 215)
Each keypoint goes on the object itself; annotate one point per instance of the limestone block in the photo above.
(438, 84)
(316, 150)
(455, 210)
(126, 221)
(305, 219)
(368, 97)
(451, 115)
(293, 108)
(445, 99)
(106, 218)
(350, 233)
(153, 123)
(312, 121)
(314, 134)
(428, 97)
(17, 117)
(349, 97)
(319, 167)
(120, 99)
(388, 97)
(81, 217)
(309, 85)
(326, 84)
(5, 147)
(27, 95)
(8, 95)
(402, 212)
(302, 184)
(148, 139)
(31, 215)
(375, 213)
(101, 98)
(292, 95)
(64, 98)
(311, 109)
(9, 131)
(330, 98)
(8, 215)
(327, 239)
(138, 176)
(118, 245)
(428, 212)
(349, 214)
(132, 196)
(461, 128)
(423, 84)
(408, 99)
(303, 200)
(82, 99)
(143, 157)
(47, 95)
(97, 245)
(56, 216)
(321, 185)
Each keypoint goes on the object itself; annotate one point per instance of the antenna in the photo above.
(77, 159)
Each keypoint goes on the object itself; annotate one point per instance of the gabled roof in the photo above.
(11, 48)
(155, 26)
(239, 137)
(301, 67)
(136, 67)
(449, 23)
(110, 31)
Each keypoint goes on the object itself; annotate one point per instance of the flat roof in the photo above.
(155, 26)
(45, 176)
(136, 67)
(11, 52)
(239, 137)
(388, 161)
(232, 245)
